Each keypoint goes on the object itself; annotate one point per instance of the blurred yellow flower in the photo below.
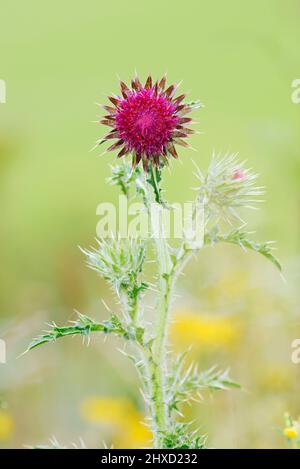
(6, 425)
(130, 430)
(290, 432)
(134, 435)
(191, 328)
(105, 409)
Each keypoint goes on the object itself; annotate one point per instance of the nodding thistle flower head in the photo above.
(118, 261)
(147, 121)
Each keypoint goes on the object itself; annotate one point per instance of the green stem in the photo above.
(130, 307)
(135, 310)
(158, 368)
(156, 361)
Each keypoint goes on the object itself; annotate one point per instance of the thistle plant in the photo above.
(148, 122)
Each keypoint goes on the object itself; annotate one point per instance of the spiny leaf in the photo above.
(184, 384)
(181, 437)
(122, 176)
(241, 238)
(83, 326)
(154, 180)
(215, 379)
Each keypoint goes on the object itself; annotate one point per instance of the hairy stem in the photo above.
(158, 368)
(130, 307)
(134, 312)
(156, 361)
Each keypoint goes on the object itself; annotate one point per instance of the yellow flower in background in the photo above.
(290, 432)
(6, 425)
(135, 434)
(105, 409)
(130, 430)
(190, 328)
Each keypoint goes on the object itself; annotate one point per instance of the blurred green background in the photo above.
(58, 59)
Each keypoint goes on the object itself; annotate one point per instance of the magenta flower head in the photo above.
(148, 121)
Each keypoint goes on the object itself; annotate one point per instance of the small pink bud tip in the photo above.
(238, 174)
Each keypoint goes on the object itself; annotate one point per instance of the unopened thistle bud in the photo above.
(118, 261)
(227, 186)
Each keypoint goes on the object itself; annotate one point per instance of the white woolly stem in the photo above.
(159, 365)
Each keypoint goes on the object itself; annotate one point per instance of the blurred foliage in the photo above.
(240, 60)
(291, 431)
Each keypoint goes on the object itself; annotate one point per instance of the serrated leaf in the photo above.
(242, 239)
(154, 180)
(83, 326)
